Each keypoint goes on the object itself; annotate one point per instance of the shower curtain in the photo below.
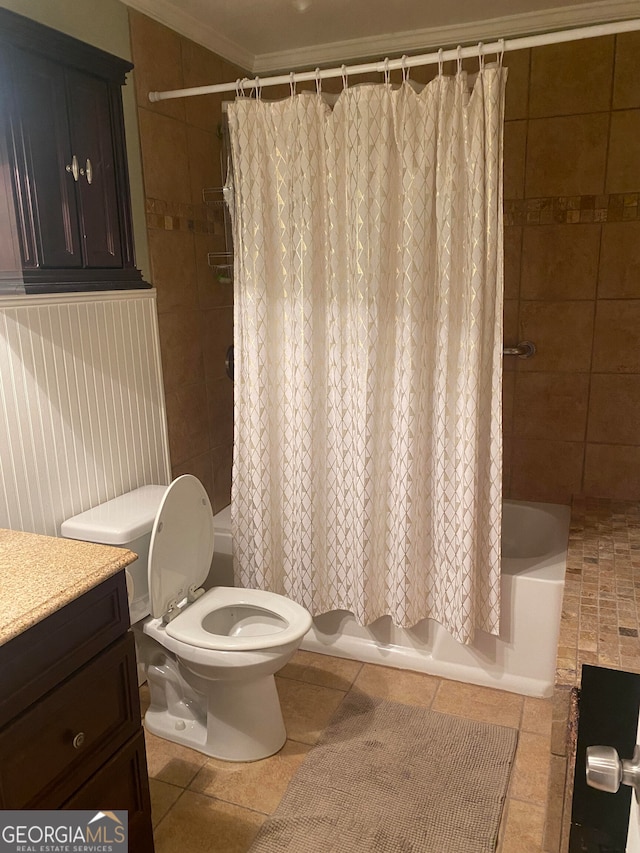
(368, 350)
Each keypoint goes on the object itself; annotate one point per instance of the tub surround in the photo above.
(180, 149)
(600, 622)
(521, 659)
(600, 625)
(42, 574)
(572, 230)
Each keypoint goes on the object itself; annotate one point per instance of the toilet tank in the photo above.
(125, 521)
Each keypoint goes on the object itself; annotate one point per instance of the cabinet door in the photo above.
(44, 189)
(91, 134)
(122, 783)
(53, 747)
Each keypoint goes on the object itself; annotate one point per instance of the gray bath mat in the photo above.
(393, 778)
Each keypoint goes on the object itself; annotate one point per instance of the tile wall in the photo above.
(180, 157)
(572, 261)
(572, 270)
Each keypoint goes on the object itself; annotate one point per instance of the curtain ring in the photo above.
(459, 51)
(481, 56)
(500, 52)
(318, 82)
(387, 73)
(238, 90)
(243, 83)
(405, 70)
(440, 62)
(257, 88)
(345, 80)
(292, 83)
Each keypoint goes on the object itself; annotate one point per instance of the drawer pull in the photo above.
(78, 740)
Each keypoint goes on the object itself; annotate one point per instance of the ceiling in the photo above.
(269, 35)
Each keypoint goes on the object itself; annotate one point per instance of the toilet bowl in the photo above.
(209, 657)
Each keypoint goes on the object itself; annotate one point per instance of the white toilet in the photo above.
(209, 657)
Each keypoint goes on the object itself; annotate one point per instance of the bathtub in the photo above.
(522, 659)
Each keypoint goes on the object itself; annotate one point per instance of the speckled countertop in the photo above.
(40, 574)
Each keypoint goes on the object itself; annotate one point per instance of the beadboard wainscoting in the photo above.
(82, 413)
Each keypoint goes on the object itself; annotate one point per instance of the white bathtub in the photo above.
(522, 659)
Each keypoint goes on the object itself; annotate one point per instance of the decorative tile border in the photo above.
(577, 209)
(209, 218)
(197, 218)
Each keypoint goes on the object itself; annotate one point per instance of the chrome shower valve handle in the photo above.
(606, 771)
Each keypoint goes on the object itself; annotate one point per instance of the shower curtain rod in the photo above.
(382, 66)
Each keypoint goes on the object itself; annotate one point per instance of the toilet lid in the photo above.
(181, 546)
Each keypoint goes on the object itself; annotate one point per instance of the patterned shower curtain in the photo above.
(368, 350)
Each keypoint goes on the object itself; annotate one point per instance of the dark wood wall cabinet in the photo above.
(70, 724)
(63, 128)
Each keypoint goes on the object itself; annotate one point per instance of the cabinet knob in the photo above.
(73, 168)
(78, 740)
(87, 171)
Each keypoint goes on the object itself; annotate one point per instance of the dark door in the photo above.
(608, 707)
(90, 123)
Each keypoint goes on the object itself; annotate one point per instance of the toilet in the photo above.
(209, 657)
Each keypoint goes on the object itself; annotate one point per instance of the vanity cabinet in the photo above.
(62, 108)
(70, 722)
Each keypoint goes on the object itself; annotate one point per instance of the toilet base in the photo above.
(243, 720)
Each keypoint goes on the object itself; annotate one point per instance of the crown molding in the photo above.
(490, 29)
(169, 13)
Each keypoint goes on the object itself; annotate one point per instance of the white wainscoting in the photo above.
(82, 413)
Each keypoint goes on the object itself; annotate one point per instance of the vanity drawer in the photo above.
(34, 662)
(48, 752)
(122, 784)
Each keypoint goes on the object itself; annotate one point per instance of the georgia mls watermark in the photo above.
(64, 832)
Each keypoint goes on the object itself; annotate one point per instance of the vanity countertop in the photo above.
(41, 574)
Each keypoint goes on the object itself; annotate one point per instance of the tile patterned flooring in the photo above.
(600, 625)
(601, 605)
(201, 804)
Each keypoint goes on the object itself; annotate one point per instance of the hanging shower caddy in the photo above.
(220, 262)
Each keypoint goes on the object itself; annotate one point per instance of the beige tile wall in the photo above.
(572, 262)
(572, 270)
(181, 156)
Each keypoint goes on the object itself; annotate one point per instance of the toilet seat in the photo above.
(181, 548)
(278, 620)
(224, 618)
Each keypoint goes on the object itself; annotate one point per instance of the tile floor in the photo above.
(202, 804)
